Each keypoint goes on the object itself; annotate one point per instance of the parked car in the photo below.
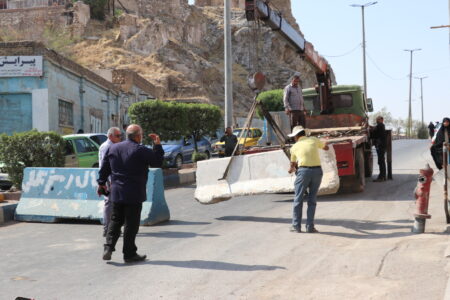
(81, 151)
(5, 183)
(178, 152)
(252, 139)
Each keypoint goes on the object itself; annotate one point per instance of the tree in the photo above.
(173, 120)
(387, 116)
(271, 100)
(202, 119)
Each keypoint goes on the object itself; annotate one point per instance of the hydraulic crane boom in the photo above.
(261, 10)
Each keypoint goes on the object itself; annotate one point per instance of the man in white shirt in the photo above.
(114, 136)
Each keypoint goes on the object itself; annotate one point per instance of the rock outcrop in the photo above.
(179, 48)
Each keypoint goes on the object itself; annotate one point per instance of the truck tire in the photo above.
(355, 183)
(368, 163)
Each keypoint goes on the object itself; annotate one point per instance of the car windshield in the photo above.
(237, 132)
(171, 142)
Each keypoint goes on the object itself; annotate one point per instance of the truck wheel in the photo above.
(368, 163)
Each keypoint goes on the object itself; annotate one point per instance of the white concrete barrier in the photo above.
(259, 173)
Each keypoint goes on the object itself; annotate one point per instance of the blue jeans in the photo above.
(307, 178)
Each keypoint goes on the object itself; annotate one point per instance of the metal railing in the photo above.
(23, 4)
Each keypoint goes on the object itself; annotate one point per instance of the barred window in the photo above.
(65, 113)
(3, 4)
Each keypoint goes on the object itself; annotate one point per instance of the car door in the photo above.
(188, 149)
(70, 157)
(87, 152)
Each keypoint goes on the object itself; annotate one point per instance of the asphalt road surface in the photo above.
(243, 249)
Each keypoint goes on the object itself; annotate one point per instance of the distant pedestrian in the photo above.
(294, 105)
(230, 141)
(439, 142)
(378, 134)
(80, 131)
(431, 129)
(127, 163)
(114, 136)
(305, 162)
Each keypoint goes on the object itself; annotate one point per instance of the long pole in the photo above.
(421, 94)
(364, 51)
(364, 41)
(409, 133)
(228, 65)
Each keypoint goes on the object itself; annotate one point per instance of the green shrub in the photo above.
(198, 156)
(30, 149)
(271, 100)
(422, 132)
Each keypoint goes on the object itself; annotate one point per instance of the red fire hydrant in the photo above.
(422, 194)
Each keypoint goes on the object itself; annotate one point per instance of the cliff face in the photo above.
(179, 48)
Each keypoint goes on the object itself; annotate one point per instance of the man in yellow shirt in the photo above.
(305, 162)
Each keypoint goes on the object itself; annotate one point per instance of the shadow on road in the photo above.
(363, 228)
(203, 264)
(175, 234)
(180, 222)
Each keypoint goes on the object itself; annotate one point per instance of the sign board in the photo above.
(15, 66)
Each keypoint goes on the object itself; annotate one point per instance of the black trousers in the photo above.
(130, 216)
(436, 153)
(381, 153)
(297, 117)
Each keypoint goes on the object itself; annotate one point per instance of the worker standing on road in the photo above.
(294, 103)
(378, 134)
(114, 136)
(127, 163)
(230, 141)
(431, 129)
(305, 162)
(439, 141)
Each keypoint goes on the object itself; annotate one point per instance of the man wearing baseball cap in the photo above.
(305, 162)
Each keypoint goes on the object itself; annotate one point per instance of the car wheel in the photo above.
(208, 154)
(178, 161)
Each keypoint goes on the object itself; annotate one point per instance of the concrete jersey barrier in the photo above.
(259, 173)
(49, 194)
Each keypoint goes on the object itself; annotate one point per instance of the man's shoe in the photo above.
(107, 254)
(379, 180)
(136, 258)
(295, 229)
(312, 230)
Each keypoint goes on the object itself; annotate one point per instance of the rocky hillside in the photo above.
(179, 48)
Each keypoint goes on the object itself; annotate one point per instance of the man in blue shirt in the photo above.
(127, 163)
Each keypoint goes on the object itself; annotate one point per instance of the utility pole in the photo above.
(364, 41)
(410, 90)
(228, 65)
(421, 95)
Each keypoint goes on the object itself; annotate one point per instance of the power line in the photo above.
(346, 53)
(381, 71)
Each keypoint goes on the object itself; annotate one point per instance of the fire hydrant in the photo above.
(422, 194)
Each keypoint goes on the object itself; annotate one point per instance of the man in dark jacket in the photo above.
(230, 141)
(431, 129)
(439, 142)
(127, 163)
(378, 134)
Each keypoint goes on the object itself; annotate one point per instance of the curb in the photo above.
(182, 177)
(7, 210)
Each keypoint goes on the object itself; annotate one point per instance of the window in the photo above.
(65, 113)
(3, 4)
(257, 133)
(84, 145)
(69, 147)
(342, 100)
(99, 139)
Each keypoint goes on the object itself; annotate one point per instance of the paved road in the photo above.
(242, 249)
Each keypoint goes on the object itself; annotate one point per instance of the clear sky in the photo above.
(391, 26)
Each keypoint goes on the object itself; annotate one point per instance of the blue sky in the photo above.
(391, 26)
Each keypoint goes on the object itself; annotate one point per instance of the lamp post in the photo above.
(364, 41)
(411, 51)
(421, 94)
(228, 65)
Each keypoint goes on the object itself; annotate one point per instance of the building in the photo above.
(44, 90)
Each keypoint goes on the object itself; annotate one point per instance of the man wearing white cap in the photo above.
(305, 162)
(294, 103)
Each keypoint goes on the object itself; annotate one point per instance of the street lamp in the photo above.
(410, 89)
(364, 41)
(421, 94)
